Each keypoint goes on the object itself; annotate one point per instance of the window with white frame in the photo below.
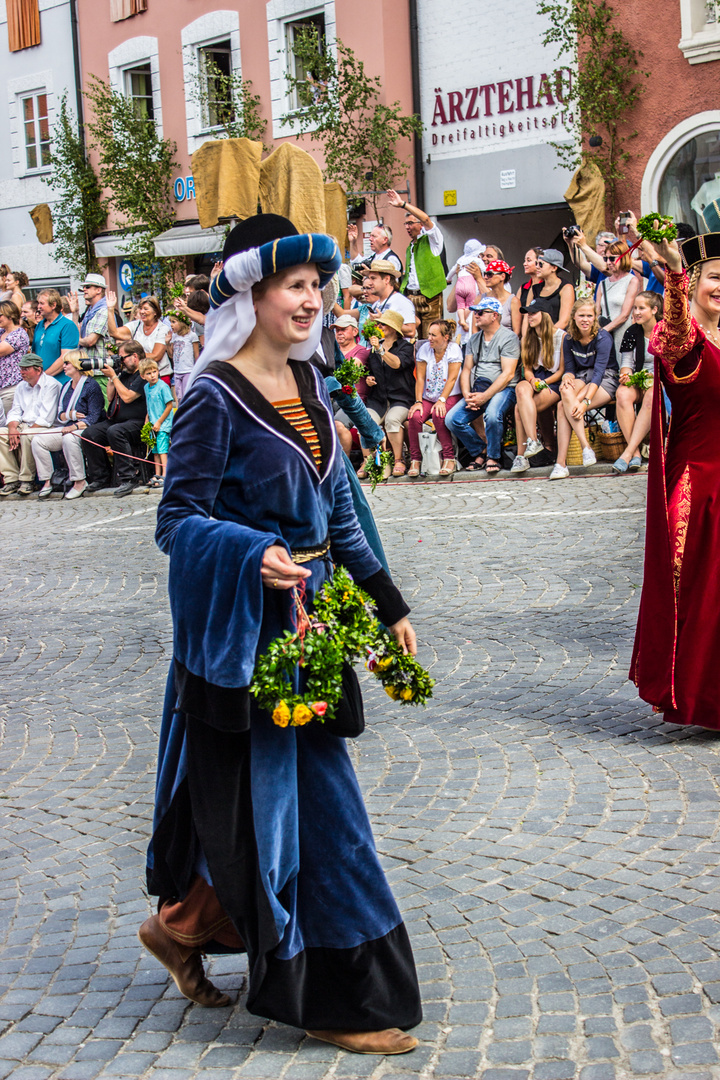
(36, 130)
(134, 71)
(296, 65)
(138, 87)
(286, 19)
(211, 67)
(215, 72)
(700, 41)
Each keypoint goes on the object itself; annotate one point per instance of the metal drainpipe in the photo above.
(415, 71)
(76, 67)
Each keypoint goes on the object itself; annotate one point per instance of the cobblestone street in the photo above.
(552, 843)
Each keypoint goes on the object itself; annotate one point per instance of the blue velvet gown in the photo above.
(272, 817)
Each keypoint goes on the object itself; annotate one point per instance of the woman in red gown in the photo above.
(676, 661)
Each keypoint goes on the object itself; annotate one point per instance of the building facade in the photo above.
(675, 158)
(38, 65)
(492, 102)
(160, 57)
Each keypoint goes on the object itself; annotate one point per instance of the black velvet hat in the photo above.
(699, 249)
(253, 232)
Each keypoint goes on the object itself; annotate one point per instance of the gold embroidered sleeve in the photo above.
(678, 340)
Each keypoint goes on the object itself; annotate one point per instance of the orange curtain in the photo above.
(23, 24)
(125, 9)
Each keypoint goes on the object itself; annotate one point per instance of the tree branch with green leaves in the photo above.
(79, 210)
(135, 167)
(339, 105)
(604, 88)
(226, 103)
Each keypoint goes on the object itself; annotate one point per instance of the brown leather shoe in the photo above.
(189, 975)
(390, 1041)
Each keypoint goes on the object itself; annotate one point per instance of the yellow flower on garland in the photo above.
(392, 692)
(383, 665)
(302, 715)
(281, 714)
(406, 694)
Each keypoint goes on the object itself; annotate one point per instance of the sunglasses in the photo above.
(492, 273)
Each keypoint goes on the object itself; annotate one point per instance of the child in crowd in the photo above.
(159, 399)
(183, 349)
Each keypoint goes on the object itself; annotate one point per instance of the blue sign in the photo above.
(126, 275)
(184, 188)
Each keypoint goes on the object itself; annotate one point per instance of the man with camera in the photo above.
(94, 337)
(121, 430)
(592, 263)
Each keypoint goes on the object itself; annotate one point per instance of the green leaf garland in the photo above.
(665, 229)
(342, 627)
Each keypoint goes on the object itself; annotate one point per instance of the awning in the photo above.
(189, 240)
(107, 246)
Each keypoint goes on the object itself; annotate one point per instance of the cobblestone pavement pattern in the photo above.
(553, 845)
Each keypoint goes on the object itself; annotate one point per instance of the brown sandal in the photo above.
(399, 468)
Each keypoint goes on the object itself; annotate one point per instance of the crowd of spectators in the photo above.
(504, 383)
(78, 387)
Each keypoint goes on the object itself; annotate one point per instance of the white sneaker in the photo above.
(560, 472)
(534, 446)
(589, 456)
(520, 464)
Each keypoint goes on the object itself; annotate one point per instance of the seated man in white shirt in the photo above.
(33, 411)
(381, 284)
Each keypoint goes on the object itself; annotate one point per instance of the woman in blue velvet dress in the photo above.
(261, 842)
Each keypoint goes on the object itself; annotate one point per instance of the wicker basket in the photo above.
(611, 446)
(574, 454)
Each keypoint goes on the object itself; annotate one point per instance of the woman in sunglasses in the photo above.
(497, 277)
(551, 287)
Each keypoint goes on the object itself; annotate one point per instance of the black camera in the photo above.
(95, 364)
(571, 232)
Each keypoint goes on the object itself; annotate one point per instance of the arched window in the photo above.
(682, 177)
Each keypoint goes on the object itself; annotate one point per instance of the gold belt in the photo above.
(303, 555)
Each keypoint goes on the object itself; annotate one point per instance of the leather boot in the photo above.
(188, 974)
(390, 1041)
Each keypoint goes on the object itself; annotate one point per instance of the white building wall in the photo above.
(49, 67)
(489, 102)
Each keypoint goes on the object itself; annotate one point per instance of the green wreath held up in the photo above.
(656, 228)
(342, 627)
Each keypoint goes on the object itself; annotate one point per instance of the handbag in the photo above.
(349, 719)
(430, 450)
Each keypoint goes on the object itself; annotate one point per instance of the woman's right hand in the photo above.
(671, 254)
(278, 571)
(370, 380)
(624, 376)
(416, 408)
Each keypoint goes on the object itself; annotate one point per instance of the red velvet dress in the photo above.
(676, 659)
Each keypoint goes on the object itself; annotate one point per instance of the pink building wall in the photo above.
(380, 38)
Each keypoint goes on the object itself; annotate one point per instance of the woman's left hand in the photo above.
(405, 636)
(439, 408)
(578, 410)
(278, 571)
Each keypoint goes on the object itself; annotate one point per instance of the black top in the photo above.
(395, 386)
(553, 299)
(119, 411)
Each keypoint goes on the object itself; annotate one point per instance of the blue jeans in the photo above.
(459, 422)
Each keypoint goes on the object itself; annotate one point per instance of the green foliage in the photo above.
(148, 436)
(135, 167)
(375, 466)
(342, 628)
(656, 228)
(227, 104)
(79, 210)
(338, 103)
(604, 88)
(348, 373)
(641, 379)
